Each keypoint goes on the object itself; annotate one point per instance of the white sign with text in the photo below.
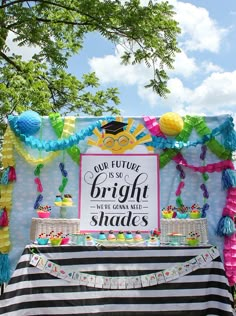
(119, 192)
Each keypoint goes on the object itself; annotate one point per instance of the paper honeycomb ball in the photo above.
(29, 123)
(171, 124)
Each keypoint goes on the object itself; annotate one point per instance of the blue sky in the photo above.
(204, 78)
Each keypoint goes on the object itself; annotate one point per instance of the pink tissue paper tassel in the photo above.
(153, 126)
(230, 241)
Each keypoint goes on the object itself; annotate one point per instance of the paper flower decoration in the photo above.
(171, 124)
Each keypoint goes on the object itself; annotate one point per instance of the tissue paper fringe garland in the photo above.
(64, 129)
(6, 188)
(226, 225)
(158, 142)
(9, 143)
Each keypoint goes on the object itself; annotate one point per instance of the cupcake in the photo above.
(120, 236)
(67, 200)
(65, 239)
(111, 236)
(42, 239)
(153, 241)
(182, 212)
(89, 241)
(138, 236)
(193, 239)
(58, 200)
(44, 211)
(129, 236)
(168, 212)
(195, 212)
(55, 240)
(102, 236)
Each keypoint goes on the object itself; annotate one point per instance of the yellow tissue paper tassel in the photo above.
(69, 126)
(5, 244)
(7, 150)
(6, 196)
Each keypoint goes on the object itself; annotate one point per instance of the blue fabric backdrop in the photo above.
(25, 192)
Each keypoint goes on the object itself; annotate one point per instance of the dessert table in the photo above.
(118, 281)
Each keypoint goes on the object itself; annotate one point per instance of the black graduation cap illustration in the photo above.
(114, 127)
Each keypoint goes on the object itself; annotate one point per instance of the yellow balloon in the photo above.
(171, 124)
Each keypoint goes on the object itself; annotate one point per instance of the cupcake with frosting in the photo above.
(89, 241)
(129, 236)
(44, 211)
(42, 239)
(102, 236)
(153, 241)
(195, 212)
(67, 200)
(111, 236)
(58, 200)
(120, 236)
(138, 236)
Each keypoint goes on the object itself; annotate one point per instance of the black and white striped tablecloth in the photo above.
(31, 291)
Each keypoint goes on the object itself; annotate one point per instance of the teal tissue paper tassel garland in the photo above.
(225, 226)
(4, 268)
(228, 179)
(229, 135)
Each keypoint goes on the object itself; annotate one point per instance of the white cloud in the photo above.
(217, 92)
(25, 51)
(209, 67)
(175, 99)
(109, 69)
(184, 65)
(148, 95)
(199, 31)
(215, 95)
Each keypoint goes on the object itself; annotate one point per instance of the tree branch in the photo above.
(10, 61)
(62, 22)
(116, 30)
(9, 27)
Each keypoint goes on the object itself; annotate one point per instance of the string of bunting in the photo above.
(127, 282)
